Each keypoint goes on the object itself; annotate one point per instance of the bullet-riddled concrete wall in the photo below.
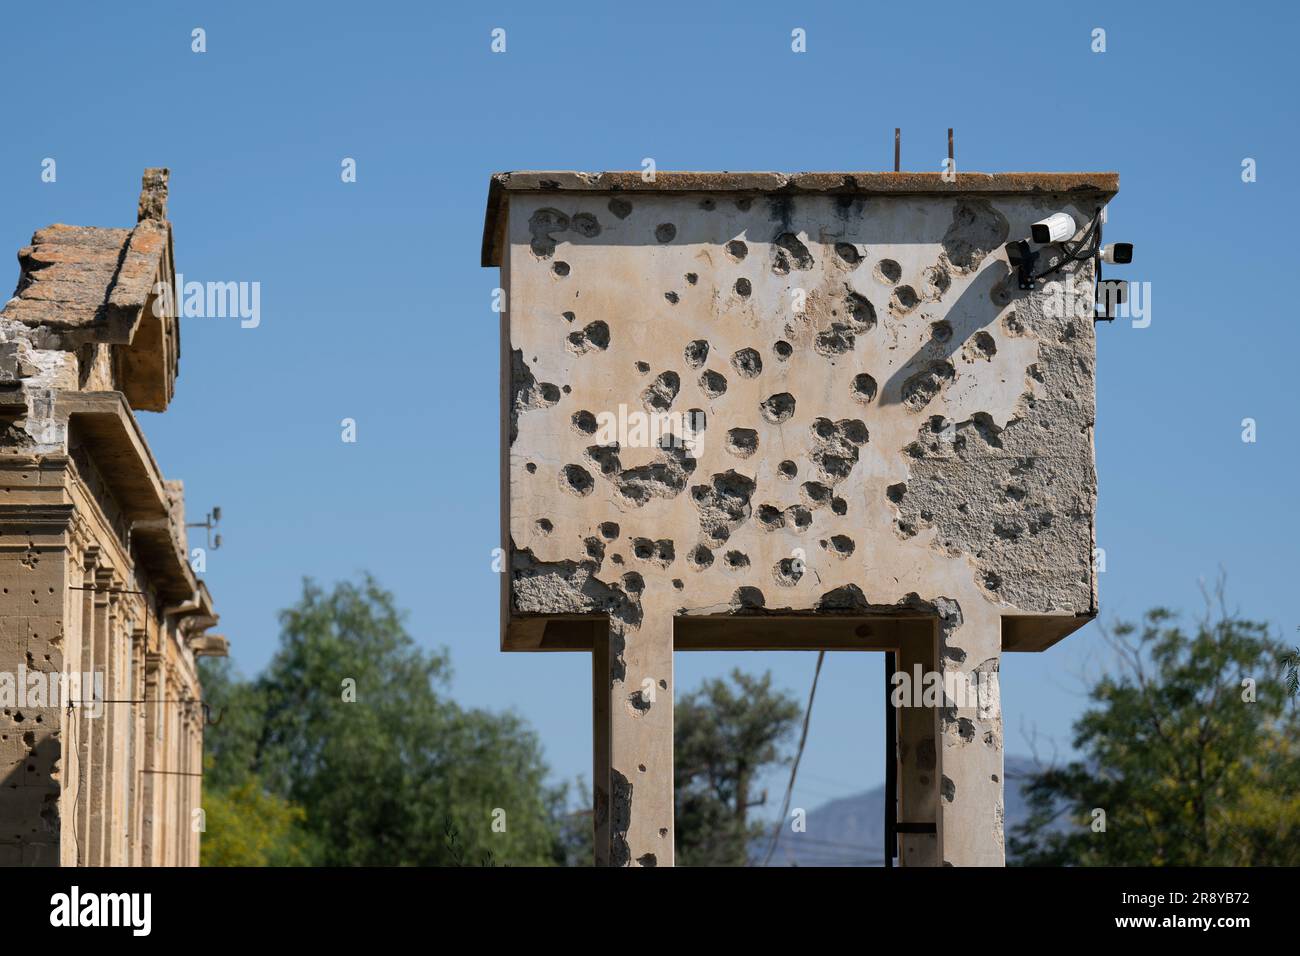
(877, 420)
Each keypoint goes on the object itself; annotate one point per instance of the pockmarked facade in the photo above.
(813, 411)
(101, 615)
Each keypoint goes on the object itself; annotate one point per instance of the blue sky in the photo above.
(374, 306)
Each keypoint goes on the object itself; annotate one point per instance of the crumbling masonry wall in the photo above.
(102, 767)
(882, 427)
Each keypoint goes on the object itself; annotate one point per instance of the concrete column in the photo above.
(149, 780)
(918, 760)
(96, 794)
(639, 690)
(970, 755)
(84, 723)
(600, 753)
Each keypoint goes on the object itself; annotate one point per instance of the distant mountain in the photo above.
(850, 831)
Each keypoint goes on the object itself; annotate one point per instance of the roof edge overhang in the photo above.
(1103, 184)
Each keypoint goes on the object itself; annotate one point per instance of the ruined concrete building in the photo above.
(101, 616)
(815, 411)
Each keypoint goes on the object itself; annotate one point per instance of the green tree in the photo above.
(1189, 770)
(726, 735)
(351, 722)
(248, 826)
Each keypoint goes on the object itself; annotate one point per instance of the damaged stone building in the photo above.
(102, 619)
(796, 412)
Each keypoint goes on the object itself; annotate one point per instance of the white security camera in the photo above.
(1057, 227)
(1117, 253)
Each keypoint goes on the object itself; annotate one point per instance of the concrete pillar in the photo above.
(970, 755)
(96, 793)
(918, 760)
(639, 717)
(84, 723)
(148, 779)
(600, 753)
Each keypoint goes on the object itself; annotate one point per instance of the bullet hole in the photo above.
(576, 480)
(906, 529)
(713, 384)
(1012, 324)
(976, 230)
(659, 395)
(840, 545)
(864, 388)
(984, 344)
(888, 271)
(787, 252)
(736, 560)
(815, 493)
(922, 386)
(585, 225)
(699, 558)
(747, 599)
(569, 316)
(609, 530)
(665, 232)
(948, 789)
(798, 516)
(937, 281)
(605, 457)
(560, 268)
(770, 517)
(708, 204)
(633, 583)
(742, 442)
(672, 297)
(641, 767)
(531, 468)
(839, 506)
(678, 584)
(541, 225)
(696, 353)
(848, 254)
(837, 446)
(595, 335)
(661, 552)
(834, 341)
(550, 394)
(616, 558)
(744, 202)
(723, 504)
(737, 250)
(643, 367)
(861, 311)
(777, 408)
(782, 349)
(904, 299)
(992, 580)
(896, 492)
(692, 278)
(584, 422)
(566, 389)
(747, 362)
(620, 207)
(544, 526)
(744, 287)
(787, 572)
(940, 331)
(787, 469)
(595, 548)
(647, 859)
